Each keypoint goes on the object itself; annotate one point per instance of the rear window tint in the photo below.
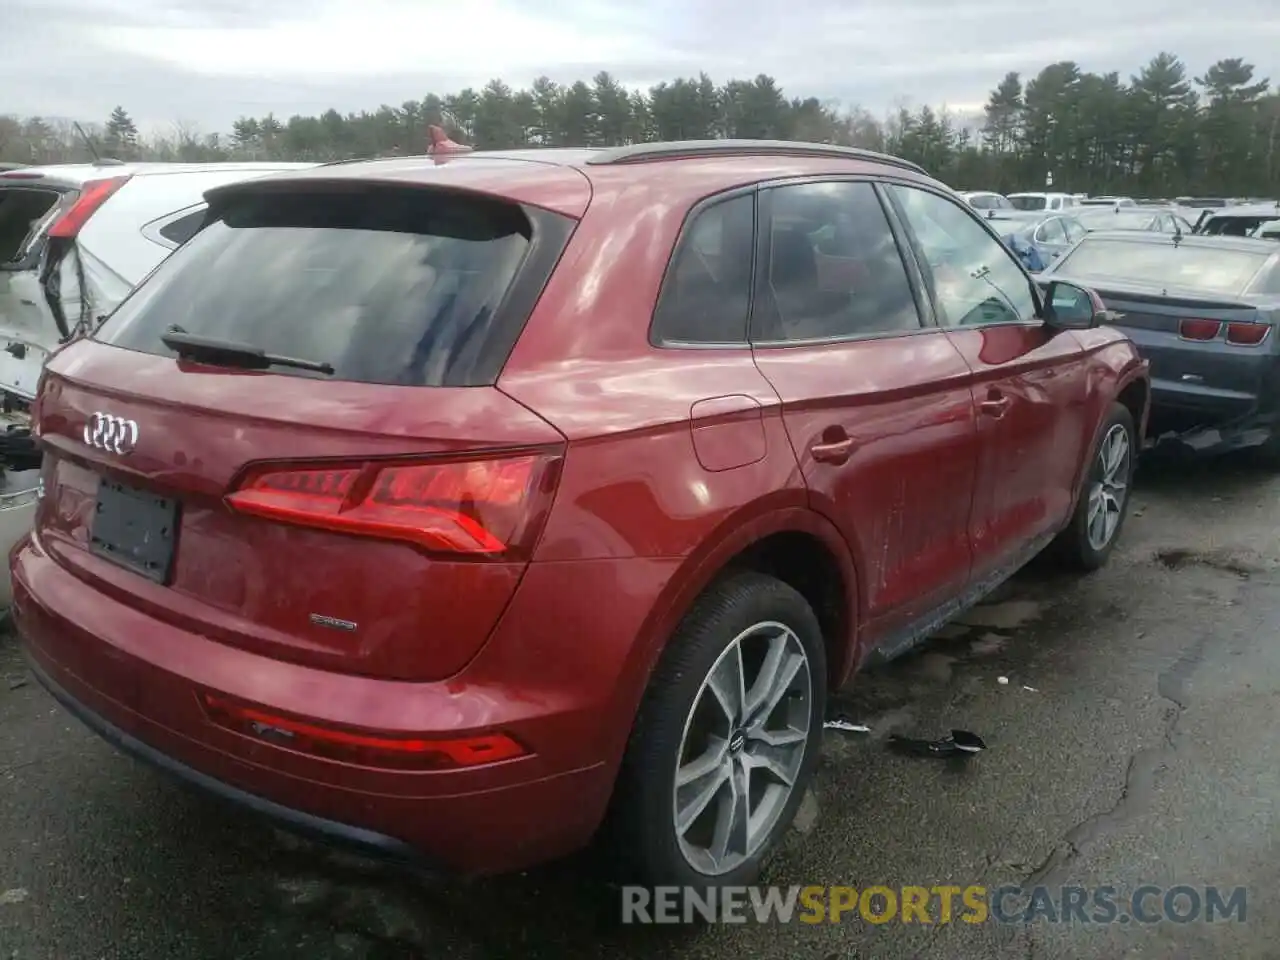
(1198, 268)
(388, 286)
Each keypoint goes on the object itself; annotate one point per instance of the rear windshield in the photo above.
(388, 286)
(1169, 264)
(1112, 220)
(1029, 202)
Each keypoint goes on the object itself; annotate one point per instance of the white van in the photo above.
(1043, 201)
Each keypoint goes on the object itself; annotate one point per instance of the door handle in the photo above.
(995, 407)
(837, 451)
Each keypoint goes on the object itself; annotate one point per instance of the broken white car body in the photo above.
(75, 239)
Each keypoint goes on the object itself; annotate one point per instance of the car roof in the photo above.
(78, 174)
(565, 179)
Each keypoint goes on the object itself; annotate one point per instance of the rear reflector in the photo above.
(1199, 329)
(477, 508)
(1247, 334)
(363, 749)
(93, 195)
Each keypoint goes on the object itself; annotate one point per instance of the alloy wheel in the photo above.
(742, 749)
(1110, 487)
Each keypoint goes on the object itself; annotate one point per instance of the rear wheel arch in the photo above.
(1135, 395)
(821, 569)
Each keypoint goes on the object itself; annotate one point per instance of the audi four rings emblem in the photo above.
(112, 434)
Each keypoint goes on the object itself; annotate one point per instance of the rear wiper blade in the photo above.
(230, 353)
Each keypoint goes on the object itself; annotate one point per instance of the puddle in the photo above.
(1178, 558)
(988, 645)
(1002, 616)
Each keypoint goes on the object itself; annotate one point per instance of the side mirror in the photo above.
(1069, 307)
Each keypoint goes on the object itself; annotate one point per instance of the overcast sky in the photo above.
(209, 61)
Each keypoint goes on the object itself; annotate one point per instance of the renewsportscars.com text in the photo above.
(934, 905)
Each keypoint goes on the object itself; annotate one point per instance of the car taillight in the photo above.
(93, 195)
(1247, 334)
(415, 753)
(478, 508)
(1199, 329)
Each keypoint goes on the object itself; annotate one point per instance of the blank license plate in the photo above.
(135, 529)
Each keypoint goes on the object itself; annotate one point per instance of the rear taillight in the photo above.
(479, 508)
(93, 195)
(349, 746)
(1247, 334)
(1199, 329)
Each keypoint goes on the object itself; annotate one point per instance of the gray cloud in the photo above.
(68, 58)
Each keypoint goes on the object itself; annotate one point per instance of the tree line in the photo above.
(1162, 132)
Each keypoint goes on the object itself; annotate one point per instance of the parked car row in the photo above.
(471, 507)
(74, 240)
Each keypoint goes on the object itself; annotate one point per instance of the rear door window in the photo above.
(390, 286)
(833, 269)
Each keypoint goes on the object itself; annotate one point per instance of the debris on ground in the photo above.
(961, 743)
(845, 725)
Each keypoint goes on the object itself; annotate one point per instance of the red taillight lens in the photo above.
(1199, 329)
(365, 749)
(92, 196)
(1247, 334)
(476, 507)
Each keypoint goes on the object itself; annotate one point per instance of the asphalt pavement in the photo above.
(1134, 742)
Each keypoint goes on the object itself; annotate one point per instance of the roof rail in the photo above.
(684, 149)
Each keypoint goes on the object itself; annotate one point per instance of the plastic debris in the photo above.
(1032, 689)
(961, 743)
(845, 725)
(1003, 681)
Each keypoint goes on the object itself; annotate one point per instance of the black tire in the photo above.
(642, 835)
(1073, 547)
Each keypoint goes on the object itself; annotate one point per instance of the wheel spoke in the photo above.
(1098, 524)
(777, 761)
(762, 686)
(698, 788)
(727, 683)
(777, 738)
(733, 818)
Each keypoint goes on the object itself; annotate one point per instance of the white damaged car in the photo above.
(74, 240)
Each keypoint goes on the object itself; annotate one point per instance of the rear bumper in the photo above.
(305, 824)
(136, 682)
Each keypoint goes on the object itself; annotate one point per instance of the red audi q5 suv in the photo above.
(462, 507)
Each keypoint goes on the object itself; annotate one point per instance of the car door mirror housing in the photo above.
(1071, 307)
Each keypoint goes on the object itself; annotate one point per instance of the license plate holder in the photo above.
(134, 529)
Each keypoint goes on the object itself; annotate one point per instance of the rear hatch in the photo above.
(289, 439)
